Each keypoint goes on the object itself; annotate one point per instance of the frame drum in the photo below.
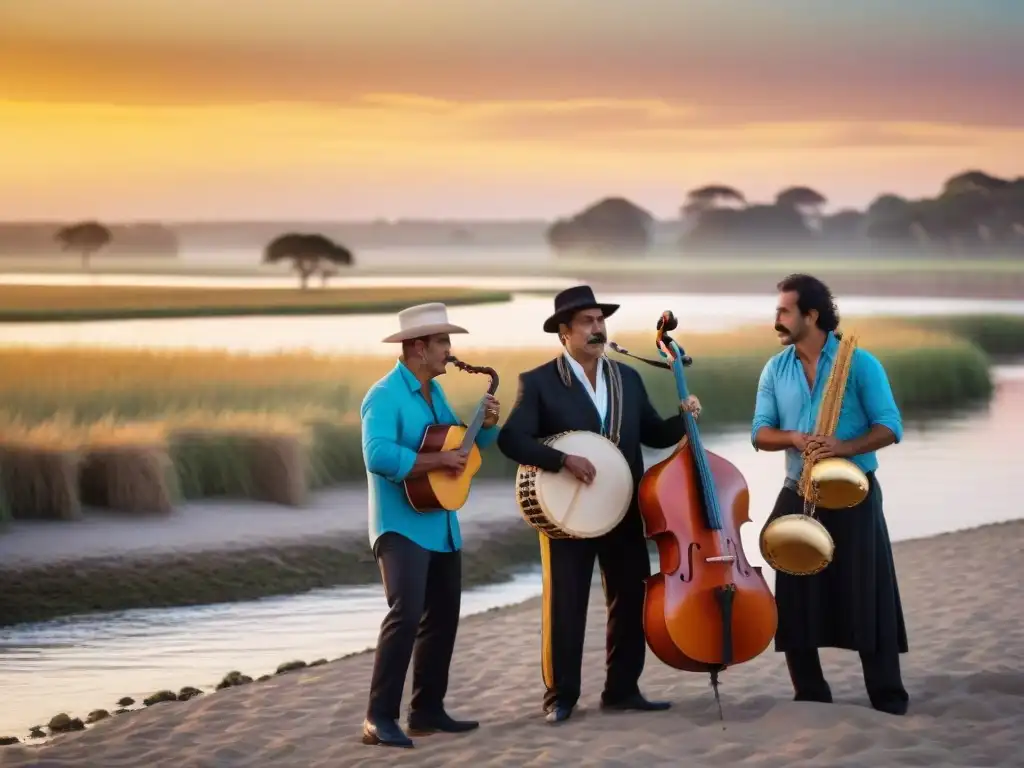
(797, 545)
(560, 506)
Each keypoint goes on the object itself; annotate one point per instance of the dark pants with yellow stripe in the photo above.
(568, 569)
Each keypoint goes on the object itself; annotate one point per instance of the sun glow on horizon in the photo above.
(363, 109)
(410, 143)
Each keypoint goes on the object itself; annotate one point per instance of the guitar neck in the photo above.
(474, 427)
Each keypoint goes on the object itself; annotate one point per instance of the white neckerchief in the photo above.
(599, 396)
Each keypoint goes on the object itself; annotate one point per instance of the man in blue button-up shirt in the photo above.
(854, 603)
(418, 553)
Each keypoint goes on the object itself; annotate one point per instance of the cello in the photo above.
(707, 608)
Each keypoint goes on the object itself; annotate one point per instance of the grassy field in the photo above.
(51, 303)
(139, 431)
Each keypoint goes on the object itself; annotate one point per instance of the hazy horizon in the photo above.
(380, 109)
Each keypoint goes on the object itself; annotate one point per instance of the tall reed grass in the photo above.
(1000, 336)
(139, 431)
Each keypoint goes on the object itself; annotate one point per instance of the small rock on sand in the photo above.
(160, 696)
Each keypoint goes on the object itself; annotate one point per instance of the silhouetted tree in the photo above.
(974, 210)
(708, 198)
(87, 238)
(753, 225)
(560, 236)
(972, 181)
(806, 201)
(612, 225)
(309, 253)
(844, 225)
(889, 218)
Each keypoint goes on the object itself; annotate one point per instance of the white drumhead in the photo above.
(599, 506)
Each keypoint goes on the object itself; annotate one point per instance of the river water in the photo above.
(512, 324)
(945, 476)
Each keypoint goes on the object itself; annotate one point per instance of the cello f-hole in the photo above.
(688, 576)
(741, 562)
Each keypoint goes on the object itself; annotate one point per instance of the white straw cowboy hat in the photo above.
(423, 320)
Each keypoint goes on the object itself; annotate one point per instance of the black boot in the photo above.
(635, 703)
(422, 723)
(385, 733)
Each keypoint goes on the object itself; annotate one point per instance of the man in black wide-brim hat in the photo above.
(582, 390)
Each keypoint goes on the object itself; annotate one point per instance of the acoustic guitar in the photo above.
(440, 490)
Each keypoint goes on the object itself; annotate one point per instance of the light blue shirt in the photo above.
(395, 416)
(786, 401)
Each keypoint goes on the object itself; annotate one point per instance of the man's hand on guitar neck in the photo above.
(492, 411)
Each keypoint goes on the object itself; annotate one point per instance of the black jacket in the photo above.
(545, 406)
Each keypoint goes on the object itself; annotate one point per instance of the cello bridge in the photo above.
(721, 559)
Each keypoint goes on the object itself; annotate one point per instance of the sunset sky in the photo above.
(347, 109)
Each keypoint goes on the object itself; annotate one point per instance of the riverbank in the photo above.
(964, 675)
(222, 551)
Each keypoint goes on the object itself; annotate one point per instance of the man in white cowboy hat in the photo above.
(581, 389)
(414, 550)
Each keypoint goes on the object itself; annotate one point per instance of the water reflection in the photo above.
(507, 325)
(81, 663)
(941, 478)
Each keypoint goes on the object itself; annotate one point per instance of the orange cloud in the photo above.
(730, 83)
(652, 125)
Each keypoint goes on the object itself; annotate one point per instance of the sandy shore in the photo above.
(213, 524)
(965, 674)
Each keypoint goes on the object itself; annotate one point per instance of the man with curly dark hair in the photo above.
(854, 603)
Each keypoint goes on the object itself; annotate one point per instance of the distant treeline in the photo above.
(54, 238)
(974, 212)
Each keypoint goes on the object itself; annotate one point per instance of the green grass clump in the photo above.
(1000, 336)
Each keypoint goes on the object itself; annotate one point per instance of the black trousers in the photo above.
(568, 568)
(424, 594)
(881, 678)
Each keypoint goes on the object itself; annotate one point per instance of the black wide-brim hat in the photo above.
(572, 300)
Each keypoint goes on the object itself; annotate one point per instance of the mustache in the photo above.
(597, 338)
(782, 329)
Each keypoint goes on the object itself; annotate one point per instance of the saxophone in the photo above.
(833, 483)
